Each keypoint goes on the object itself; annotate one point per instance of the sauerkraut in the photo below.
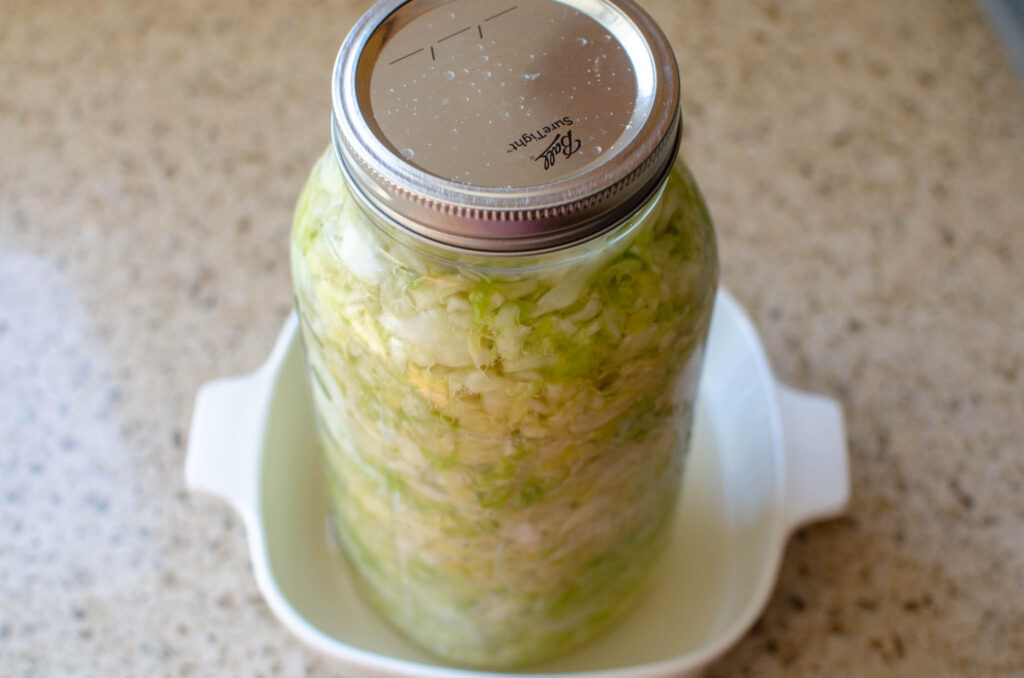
(503, 437)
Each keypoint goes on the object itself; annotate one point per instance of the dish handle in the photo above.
(225, 438)
(817, 466)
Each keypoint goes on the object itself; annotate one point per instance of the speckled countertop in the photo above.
(864, 162)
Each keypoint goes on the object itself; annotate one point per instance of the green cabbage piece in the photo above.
(503, 438)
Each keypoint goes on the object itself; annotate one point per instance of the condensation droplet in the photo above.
(597, 149)
(448, 75)
(408, 153)
(532, 76)
(487, 75)
(582, 41)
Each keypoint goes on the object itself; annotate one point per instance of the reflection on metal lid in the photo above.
(506, 125)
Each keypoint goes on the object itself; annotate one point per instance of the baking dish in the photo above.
(764, 460)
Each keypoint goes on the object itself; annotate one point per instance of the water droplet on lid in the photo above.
(487, 75)
(408, 153)
(582, 41)
(448, 75)
(532, 76)
(597, 149)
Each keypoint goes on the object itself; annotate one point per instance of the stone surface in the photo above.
(864, 163)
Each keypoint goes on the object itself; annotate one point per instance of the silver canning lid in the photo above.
(506, 126)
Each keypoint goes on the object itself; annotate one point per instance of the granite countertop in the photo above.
(864, 163)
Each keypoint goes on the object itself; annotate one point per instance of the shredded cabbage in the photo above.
(503, 438)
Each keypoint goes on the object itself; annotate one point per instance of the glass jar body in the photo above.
(503, 437)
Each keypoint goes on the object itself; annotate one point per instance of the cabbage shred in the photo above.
(503, 438)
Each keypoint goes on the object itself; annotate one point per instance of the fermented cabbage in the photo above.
(503, 437)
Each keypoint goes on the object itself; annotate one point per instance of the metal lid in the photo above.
(506, 126)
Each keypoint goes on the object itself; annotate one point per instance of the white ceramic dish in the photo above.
(764, 460)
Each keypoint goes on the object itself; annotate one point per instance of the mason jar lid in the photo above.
(506, 126)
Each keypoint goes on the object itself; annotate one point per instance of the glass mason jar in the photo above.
(505, 280)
